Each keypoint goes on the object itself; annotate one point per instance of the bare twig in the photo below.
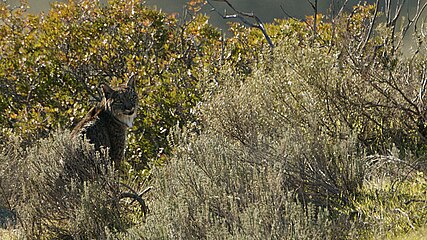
(416, 18)
(406, 215)
(315, 9)
(135, 196)
(391, 22)
(422, 89)
(286, 13)
(342, 8)
(416, 201)
(371, 27)
(413, 21)
(242, 16)
(392, 19)
(292, 17)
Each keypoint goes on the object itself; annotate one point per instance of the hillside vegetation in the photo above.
(322, 136)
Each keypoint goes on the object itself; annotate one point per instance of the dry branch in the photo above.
(243, 17)
(136, 196)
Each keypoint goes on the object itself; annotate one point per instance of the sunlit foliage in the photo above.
(323, 136)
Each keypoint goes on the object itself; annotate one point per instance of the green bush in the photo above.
(52, 64)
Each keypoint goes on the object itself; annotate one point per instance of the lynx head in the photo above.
(121, 102)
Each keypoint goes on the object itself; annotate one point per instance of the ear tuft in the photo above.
(131, 81)
(106, 91)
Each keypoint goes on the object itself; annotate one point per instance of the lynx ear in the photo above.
(131, 81)
(106, 91)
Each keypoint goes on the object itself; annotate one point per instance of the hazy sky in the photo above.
(266, 10)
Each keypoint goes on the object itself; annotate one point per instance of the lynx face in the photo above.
(122, 102)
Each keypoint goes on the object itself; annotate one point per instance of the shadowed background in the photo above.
(267, 10)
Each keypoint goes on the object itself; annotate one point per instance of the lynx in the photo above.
(105, 125)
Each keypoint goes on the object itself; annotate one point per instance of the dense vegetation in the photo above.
(321, 137)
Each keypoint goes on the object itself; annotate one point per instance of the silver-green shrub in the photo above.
(214, 190)
(261, 167)
(60, 187)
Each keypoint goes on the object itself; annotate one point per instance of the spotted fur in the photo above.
(105, 125)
